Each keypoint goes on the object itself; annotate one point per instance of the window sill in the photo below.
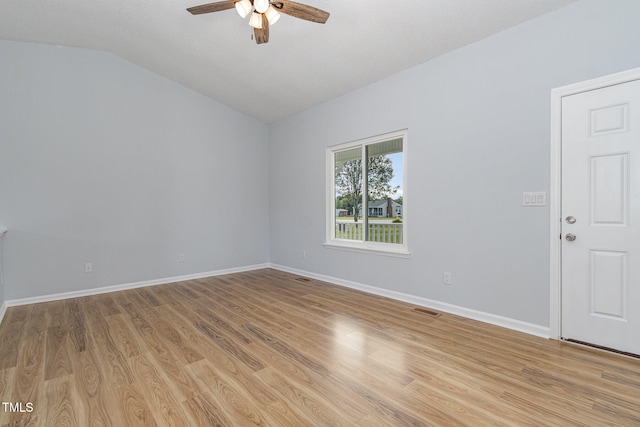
(399, 253)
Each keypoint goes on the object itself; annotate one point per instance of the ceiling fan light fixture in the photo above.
(243, 7)
(272, 15)
(256, 20)
(261, 5)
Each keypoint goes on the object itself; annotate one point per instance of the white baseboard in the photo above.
(3, 310)
(114, 288)
(517, 325)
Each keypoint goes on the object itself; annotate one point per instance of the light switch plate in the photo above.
(534, 198)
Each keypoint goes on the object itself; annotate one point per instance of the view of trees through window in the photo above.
(369, 192)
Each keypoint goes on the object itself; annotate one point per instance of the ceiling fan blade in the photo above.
(262, 34)
(212, 7)
(301, 11)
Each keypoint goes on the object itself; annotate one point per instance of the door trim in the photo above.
(555, 186)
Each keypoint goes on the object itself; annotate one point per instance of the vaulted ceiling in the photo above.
(303, 64)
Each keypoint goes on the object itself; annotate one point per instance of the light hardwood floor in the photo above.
(264, 348)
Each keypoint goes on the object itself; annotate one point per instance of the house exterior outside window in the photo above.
(367, 195)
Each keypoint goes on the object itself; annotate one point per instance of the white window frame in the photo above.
(389, 249)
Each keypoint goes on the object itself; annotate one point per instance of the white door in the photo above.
(601, 210)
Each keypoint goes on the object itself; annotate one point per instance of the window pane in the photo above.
(348, 194)
(384, 192)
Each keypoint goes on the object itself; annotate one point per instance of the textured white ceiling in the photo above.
(303, 64)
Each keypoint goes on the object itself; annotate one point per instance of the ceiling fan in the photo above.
(265, 13)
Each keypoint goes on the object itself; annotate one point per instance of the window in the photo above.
(366, 195)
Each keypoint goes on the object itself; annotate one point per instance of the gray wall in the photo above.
(2, 299)
(478, 121)
(102, 161)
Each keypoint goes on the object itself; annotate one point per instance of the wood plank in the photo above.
(57, 362)
(77, 325)
(91, 390)
(12, 331)
(307, 403)
(122, 336)
(62, 408)
(133, 408)
(229, 394)
(206, 412)
(106, 304)
(184, 350)
(111, 360)
(29, 372)
(166, 360)
(158, 393)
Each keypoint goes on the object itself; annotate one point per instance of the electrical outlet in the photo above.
(447, 278)
(304, 253)
(88, 267)
(180, 257)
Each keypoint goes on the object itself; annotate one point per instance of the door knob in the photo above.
(570, 237)
(570, 220)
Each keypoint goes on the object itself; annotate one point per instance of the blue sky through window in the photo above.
(396, 159)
